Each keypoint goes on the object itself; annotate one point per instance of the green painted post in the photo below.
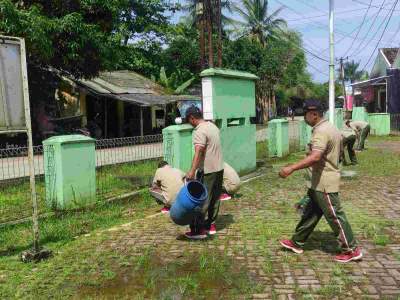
(70, 171)
(380, 123)
(339, 118)
(305, 135)
(359, 114)
(229, 99)
(278, 138)
(177, 146)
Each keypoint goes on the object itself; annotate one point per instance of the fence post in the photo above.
(278, 138)
(305, 135)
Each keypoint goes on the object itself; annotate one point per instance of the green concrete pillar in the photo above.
(339, 118)
(380, 123)
(338, 115)
(278, 138)
(359, 114)
(178, 146)
(70, 171)
(305, 135)
(229, 100)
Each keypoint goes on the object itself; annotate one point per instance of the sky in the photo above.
(358, 30)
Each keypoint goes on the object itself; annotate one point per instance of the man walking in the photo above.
(362, 130)
(208, 155)
(323, 163)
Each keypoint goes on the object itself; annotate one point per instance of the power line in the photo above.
(363, 3)
(299, 47)
(315, 8)
(393, 36)
(325, 14)
(388, 15)
(320, 25)
(359, 29)
(316, 69)
(384, 30)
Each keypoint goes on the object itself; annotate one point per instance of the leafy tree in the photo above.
(143, 17)
(258, 24)
(279, 64)
(352, 72)
(172, 83)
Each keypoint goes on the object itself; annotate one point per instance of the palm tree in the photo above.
(351, 72)
(257, 23)
(191, 17)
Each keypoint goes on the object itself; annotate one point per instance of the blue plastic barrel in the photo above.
(188, 203)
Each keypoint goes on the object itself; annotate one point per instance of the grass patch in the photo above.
(193, 276)
(15, 202)
(64, 227)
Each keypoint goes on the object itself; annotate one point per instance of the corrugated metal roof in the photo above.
(131, 87)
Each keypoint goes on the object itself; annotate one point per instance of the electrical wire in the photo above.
(384, 8)
(325, 14)
(316, 24)
(315, 8)
(369, 30)
(299, 47)
(359, 29)
(384, 30)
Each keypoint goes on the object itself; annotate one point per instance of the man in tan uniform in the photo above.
(323, 163)
(167, 183)
(208, 156)
(231, 183)
(349, 139)
(362, 130)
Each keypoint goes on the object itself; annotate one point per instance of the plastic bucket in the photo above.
(188, 203)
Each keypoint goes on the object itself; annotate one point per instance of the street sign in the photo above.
(12, 77)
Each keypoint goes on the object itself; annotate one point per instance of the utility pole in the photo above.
(331, 64)
(343, 83)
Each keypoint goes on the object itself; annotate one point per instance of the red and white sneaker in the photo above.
(213, 229)
(225, 197)
(196, 236)
(354, 255)
(288, 244)
(165, 210)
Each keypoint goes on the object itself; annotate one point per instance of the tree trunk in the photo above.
(219, 33)
(210, 34)
(200, 24)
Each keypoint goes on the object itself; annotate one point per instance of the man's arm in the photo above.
(314, 157)
(197, 159)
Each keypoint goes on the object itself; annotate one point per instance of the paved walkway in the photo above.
(250, 227)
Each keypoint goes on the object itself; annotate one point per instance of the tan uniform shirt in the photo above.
(231, 179)
(325, 175)
(347, 132)
(171, 181)
(358, 125)
(206, 134)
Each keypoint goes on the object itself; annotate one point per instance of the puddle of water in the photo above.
(183, 278)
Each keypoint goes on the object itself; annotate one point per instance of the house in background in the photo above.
(123, 103)
(381, 93)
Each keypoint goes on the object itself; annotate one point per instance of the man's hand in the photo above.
(190, 175)
(286, 171)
